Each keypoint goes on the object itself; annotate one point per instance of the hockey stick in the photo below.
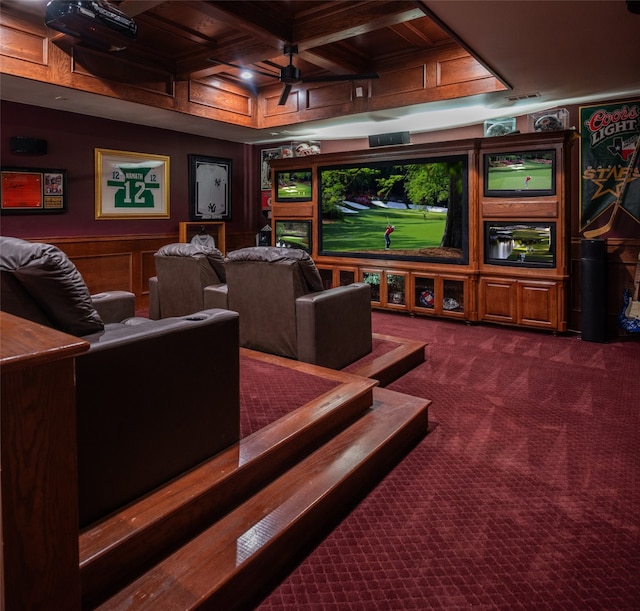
(593, 233)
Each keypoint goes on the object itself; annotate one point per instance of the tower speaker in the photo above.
(594, 290)
(28, 146)
(389, 139)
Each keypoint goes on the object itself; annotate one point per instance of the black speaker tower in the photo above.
(594, 290)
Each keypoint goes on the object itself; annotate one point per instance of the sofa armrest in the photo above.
(216, 296)
(154, 299)
(114, 306)
(334, 326)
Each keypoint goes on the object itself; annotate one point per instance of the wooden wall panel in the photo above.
(21, 44)
(460, 70)
(219, 95)
(329, 95)
(401, 81)
(106, 272)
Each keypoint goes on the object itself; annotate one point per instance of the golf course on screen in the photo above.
(364, 230)
(520, 173)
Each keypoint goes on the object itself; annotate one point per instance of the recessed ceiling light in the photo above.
(245, 74)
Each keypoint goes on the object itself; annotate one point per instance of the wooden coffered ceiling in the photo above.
(427, 53)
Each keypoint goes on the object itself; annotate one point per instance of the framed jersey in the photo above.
(209, 188)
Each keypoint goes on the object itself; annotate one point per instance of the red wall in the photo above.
(71, 140)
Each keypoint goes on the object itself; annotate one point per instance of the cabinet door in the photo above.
(347, 275)
(396, 284)
(453, 296)
(424, 294)
(326, 274)
(373, 277)
(498, 298)
(538, 304)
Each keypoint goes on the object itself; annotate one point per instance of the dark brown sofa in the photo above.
(285, 310)
(182, 273)
(153, 398)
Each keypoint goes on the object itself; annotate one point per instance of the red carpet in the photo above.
(268, 392)
(524, 495)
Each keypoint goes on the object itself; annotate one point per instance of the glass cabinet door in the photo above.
(396, 285)
(373, 279)
(424, 293)
(346, 276)
(326, 274)
(452, 296)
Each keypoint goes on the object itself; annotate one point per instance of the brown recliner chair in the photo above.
(182, 273)
(284, 309)
(143, 414)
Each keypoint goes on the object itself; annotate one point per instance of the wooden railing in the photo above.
(39, 555)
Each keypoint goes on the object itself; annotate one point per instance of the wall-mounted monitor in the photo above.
(293, 234)
(520, 244)
(415, 209)
(293, 186)
(516, 174)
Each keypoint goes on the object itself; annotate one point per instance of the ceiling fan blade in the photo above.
(253, 70)
(341, 77)
(284, 96)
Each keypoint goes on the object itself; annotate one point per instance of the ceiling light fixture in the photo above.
(246, 75)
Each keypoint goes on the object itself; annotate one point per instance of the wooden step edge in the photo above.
(115, 550)
(237, 560)
(389, 366)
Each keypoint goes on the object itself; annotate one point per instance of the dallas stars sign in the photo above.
(610, 194)
(131, 185)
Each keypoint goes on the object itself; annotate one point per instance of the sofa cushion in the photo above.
(274, 254)
(53, 282)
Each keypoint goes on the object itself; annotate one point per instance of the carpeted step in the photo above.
(116, 550)
(236, 560)
(398, 356)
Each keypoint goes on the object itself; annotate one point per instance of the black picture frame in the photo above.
(209, 188)
(33, 191)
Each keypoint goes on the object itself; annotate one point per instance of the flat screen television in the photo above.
(414, 209)
(293, 186)
(520, 244)
(293, 234)
(520, 174)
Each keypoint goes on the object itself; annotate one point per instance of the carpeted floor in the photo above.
(524, 495)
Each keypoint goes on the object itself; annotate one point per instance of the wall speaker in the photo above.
(28, 146)
(389, 139)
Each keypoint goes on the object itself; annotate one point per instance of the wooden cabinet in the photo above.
(513, 266)
(531, 303)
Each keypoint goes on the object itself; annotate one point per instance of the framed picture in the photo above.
(33, 191)
(209, 188)
(131, 185)
(293, 234)
(266, 156)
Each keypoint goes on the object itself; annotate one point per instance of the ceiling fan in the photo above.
(290, 75)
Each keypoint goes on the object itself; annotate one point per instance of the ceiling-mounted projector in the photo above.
(96, 23)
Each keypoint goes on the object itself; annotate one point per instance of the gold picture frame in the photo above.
(131, 185)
